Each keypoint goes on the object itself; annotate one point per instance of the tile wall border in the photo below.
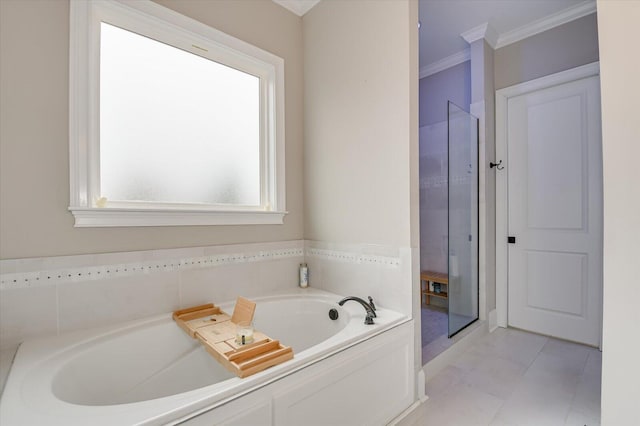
(352, 257)
(29, 273)
(53, 276)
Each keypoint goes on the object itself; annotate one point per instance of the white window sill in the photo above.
(109, 217)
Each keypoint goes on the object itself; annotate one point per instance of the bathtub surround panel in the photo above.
(221, 284)
(389, 360)
(133, 285)
(316, 395)
(254, 409)
(26, 313)
(362, 270)
(34, 136)
(37, 272)
(83, 305)
(98, 290)
(6, 361)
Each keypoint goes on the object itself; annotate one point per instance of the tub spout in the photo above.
(371, 314)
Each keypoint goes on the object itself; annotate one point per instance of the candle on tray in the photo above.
(244, 332)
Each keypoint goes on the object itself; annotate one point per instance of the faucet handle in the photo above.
(371, 304)
(368, 320)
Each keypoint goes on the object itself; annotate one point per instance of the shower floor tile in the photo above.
(435, 328)
(435, 323)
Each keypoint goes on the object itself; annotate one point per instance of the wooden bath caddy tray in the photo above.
(216, 330)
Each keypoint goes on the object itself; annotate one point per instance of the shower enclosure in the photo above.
(462, 153)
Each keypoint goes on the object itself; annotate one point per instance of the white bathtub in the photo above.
(151, 372)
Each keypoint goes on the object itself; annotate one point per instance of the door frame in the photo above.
(502, 205)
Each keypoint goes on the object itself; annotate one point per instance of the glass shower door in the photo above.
(463, 218)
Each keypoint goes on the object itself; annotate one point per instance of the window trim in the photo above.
(192, 36)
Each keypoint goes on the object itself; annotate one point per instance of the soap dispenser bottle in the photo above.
(304, 276)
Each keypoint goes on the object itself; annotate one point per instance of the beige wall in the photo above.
(619, 71)
(358, 97)
(34, 176)
(361, 146)
(561, 48)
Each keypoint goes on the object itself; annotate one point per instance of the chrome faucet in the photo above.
(371, 311)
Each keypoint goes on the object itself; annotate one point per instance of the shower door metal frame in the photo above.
(477, 242)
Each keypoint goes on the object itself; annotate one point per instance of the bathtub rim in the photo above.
(31, 355)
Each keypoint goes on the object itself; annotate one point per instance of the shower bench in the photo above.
(427, 277)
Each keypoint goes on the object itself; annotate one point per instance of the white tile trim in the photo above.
(27, 273)
(118, 270)
(352, 257)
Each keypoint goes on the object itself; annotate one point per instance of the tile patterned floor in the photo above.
(513, 378)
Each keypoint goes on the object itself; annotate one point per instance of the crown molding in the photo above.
(299, 7)
(496, 41)
(484, 31)
(567, 15)
(443, 64)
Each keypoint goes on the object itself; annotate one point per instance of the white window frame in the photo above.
(153, 20)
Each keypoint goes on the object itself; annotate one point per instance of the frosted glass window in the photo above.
(171, 122)
(175, 127)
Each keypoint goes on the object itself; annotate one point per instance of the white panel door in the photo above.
(555, 211)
